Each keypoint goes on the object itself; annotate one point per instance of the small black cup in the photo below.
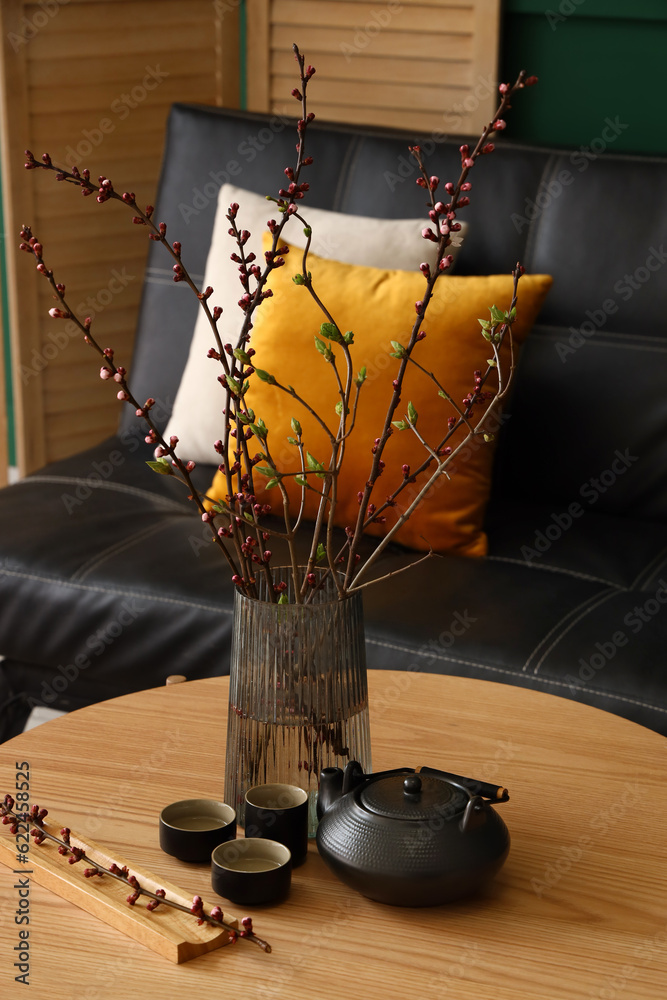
(279, 812)
(191, 828)
(251, 871)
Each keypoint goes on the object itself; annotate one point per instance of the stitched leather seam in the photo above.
(512, 673)
(144, 596)
(116, 487)
(659, 558)
(556, 332)
(120, 546)
(630, 346)
(584, 611)
(556, 569)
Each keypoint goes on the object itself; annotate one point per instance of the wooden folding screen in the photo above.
(418, 64)
(91, 82)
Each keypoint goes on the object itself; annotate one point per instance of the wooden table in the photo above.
(578, 911)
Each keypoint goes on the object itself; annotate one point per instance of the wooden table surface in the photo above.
(578, 911)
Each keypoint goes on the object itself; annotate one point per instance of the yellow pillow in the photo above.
(378, 306)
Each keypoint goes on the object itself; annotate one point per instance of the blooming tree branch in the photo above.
(245, 532)
(35, 817)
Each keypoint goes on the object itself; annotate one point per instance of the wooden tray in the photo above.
(171, 933)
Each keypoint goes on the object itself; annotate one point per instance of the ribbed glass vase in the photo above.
(298, 694)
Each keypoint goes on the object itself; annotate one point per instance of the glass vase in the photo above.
(298, 693)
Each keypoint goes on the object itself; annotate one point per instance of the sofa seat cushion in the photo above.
(133, 591)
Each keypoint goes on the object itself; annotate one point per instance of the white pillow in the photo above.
(352, 239)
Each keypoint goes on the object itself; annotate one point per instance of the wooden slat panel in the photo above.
(117, 106)
(417, 123)
(61, 84)
(380, 95)
(19, 207)
(368, 67)
(370, 18)
(410, 45)
(401, 65)
(257, 79)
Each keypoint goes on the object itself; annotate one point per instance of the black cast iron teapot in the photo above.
(410, 838)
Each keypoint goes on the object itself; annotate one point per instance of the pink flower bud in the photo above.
(433, 182)
(105, 373)
(499, 125)
(190, 466)
(122, 395)
(530, 81)
(503, 88)
(428, 234)
(173, 441)
(468, 162)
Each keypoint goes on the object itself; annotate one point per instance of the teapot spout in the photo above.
(331, 789)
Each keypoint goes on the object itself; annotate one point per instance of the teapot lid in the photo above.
(413, 797)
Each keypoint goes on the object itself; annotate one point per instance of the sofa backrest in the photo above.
(592, 375)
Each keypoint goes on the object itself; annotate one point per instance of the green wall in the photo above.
(595, 59)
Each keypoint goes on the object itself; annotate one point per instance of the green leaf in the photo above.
(323, 348)
(162, 466)
(487, 335)
(321, 553)
(315, 466)
(307, 232)
(445, 395)
(246, 386)
(233, 385)
(296, 426)
(300, 480)
(361, 377)
(399, 350)
(271, 483)
(283, 599)
(339, 408)
(412, 414)
(484, 323)
(265, 376)
(489, 437)
(400, 425)
(298, 279)
(291, 440)
(330, 330)
(512, 315)
(348, 337)
(265, 470)
(497, 315)
(241, 356)
(491, 362)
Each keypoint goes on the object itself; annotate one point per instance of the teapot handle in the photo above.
(354, 775)
(484, 789)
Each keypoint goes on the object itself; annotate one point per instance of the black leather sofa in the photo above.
(112, 587)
